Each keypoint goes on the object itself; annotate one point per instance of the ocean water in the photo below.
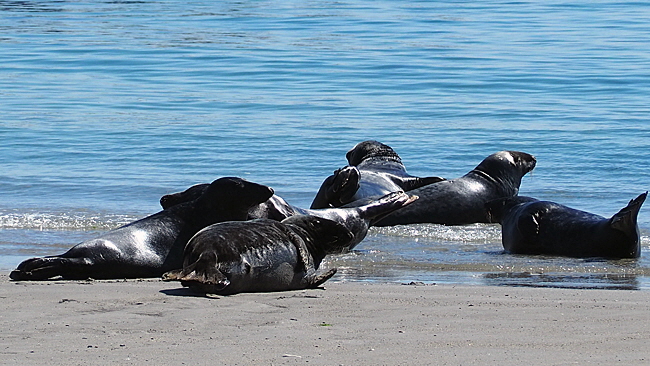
(107, 105)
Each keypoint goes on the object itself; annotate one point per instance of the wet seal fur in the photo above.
(275, 207)
(462, 200)
(374, 169)
(260, 255)
(530, 226)
(150, 246)
(357, 219)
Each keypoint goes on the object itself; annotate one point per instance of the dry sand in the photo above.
(347, 323)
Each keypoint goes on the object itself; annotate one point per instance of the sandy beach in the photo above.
(346, 323)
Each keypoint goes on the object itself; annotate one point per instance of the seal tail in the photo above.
(203, 271)
(626, 219)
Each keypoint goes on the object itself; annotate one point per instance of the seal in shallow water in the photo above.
(374, 169)
(530, 226)
(462, 200)
(150, 246)
(260, 255)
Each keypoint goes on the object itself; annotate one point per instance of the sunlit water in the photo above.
(105, 106)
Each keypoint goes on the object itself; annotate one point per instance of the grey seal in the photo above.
(462, 200)
(374, 169)
(530, 226)
(260, 255)
(152, 245)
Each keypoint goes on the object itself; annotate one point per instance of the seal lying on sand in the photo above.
(530, 226)
(260, 255)
(374, 170)
(462, 200)
(357, 219)
(153, 245)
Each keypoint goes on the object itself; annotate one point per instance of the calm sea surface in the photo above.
(107, 105)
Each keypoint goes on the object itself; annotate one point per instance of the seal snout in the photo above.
(522, 159)
(532, 162)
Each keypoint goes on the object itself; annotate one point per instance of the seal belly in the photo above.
(273, 267)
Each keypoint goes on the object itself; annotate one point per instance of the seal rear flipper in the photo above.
(48, 267)
(338, 189)
(385, 205)
(315, 280)
(187, 195)
(344, 185)
(626, 219)
(203, 271)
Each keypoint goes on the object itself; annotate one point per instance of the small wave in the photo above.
(61, 221)
(476, 233)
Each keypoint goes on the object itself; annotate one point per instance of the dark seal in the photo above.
(260, 255)
(462, 200)
(357, 219)
(275, 207)
(150, 246)
(374, 169)
(530, 226)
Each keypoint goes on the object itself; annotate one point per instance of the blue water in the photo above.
(107, 105)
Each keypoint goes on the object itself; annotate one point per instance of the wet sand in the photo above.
(346, 323)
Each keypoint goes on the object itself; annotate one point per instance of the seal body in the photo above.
(462, 200)
(260, 255)
(150, 246)
(357, 219)
(374, 170)
(530, 226)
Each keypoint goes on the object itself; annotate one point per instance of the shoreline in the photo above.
(346, 323)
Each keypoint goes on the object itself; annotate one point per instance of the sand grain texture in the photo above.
(154, 322)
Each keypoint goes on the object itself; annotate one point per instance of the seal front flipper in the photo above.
(409, 184)
(305, 259)
(314, 280)
(626, 219)
(174, 275)
(528, 236)
(529, 224)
